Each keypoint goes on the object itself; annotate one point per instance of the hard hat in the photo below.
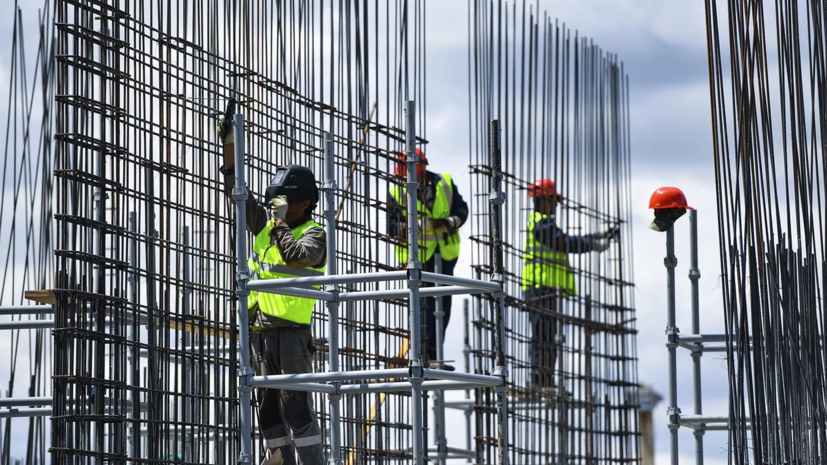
(296, 182)
(668, 197)
(543, 188)
(401, 169)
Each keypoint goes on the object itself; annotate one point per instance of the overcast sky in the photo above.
(663, 46)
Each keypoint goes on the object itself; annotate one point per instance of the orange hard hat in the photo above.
(543, 188)
(401, 169)
(668, 197)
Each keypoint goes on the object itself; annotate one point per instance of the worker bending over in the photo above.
(548, 277)
(288, 244)
(442, 211)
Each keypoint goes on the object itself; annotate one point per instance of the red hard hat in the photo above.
(543, 188)
(668, 197)
(401, 169)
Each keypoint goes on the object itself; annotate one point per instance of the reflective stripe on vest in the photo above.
(544, 267)
(266, 263)
(429, 242)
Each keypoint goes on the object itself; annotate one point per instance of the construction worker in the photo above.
(288, 243)
(442, 211)
(547, 276)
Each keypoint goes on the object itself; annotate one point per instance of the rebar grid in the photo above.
(768, 118)
(563, 104)
(145, 231)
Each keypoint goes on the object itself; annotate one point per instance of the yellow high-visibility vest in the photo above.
(545, 267)
(266, 263)
(430, 241)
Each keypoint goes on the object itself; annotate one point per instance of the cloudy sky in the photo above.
(663, 46)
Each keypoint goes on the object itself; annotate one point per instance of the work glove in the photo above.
(601, 245)
(278, 206)
(449, 225)
(429, 224)
(610, 234)
(225, 125)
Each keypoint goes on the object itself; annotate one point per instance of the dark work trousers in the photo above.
(287, 418)
(544, 344)
(430, 306)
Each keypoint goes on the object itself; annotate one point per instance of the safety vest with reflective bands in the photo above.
(266, 263)
(429, 241)
(544, 267)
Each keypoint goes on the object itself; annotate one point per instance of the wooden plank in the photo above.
(42, 296)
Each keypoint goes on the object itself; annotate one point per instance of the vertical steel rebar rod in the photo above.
(694, 276)
(332, 306)
(439, 396)
(497, 199)
(245, 372)
(670, 262)
(414, 282)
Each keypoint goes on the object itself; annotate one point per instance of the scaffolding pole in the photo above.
(245, 372)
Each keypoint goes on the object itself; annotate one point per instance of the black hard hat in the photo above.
(297, 182)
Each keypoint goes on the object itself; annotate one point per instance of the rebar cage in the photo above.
(146, 326)
(564, 107)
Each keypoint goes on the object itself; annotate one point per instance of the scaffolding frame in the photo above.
(697, 344)
(418, 377)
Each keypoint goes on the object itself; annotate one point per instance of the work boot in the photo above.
(434, 365)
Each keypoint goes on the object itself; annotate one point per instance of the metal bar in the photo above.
(264, 286)
(415, 269)
(332, 306)
(268, 285)
(328, 377)
(402, 293)
(466, 354)
(25, 401)
(404, 386)
(694, 419)
(13, 310)
(245, 373)
(26, 412)
(700, 338)
(439, 278)
(694, 276)
(496, 200)
(430, 373)
(27, 324)
(439, 398)
(670, 262)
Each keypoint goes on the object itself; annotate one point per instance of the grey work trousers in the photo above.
(287, 418)
(544, 343)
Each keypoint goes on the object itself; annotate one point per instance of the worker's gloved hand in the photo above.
(610, 234)
(278, 206)
(449, 225)
(429, 224)
(601, 245)
(225, 125)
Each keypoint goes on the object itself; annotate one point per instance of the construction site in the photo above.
(387, 232)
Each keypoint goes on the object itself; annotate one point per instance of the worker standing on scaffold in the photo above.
(288, 244)
(442, 211)
(548, 277)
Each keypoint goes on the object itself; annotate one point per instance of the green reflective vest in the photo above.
(266, 263)
(430, 240)
(544, 267)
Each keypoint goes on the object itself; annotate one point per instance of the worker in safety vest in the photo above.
(547, 276)
(288, 244)
(442, 211)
